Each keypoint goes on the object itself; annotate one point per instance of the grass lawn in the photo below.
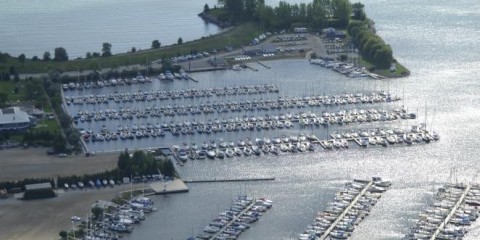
(238, 36)
(49, 125)
(8, 87)
(401, 70)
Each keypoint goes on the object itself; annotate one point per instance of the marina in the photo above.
(454, 210)
(350, 207)
(231, 223)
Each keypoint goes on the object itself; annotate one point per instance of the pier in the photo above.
(263, 65)
(340, 217)
(452, 212)
(175, 186)
(233, 220)
(206, 69)
(231, 180)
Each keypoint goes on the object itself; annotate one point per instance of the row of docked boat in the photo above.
(245, 123)
(346, 69)
(115, 219)
(237, 219)
(350, 206)
(173, 94)
(273, 103)
(245, 147)
(454, 210)
(107, 83)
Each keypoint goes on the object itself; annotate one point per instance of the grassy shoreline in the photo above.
(235, 37)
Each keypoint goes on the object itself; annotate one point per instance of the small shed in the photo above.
(38, 191)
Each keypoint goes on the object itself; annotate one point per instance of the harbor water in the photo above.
(436, 41)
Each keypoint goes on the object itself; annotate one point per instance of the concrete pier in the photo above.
(231, 180)
(175, 186)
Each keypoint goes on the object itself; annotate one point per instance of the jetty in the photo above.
(340, 217)
(175, 186)
(452, 212)
(230, 180)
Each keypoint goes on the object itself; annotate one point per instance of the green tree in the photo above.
(46, 56)
(95, 54)
(21, 58)
(342, 10)
(156, 44)
(180, 41)
(168, 168)
(63, 234)
(133, 50)
(358, 12)
(35, 58)
(3, 99)
(206, 8)
(106, 49)
(60, 54)
(88, 55)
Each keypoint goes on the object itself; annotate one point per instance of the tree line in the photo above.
(317, 14)
(371, 46)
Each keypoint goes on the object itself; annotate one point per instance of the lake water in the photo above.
(33, 27)
(437, 41)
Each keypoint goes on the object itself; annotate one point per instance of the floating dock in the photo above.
(230, 180)
(175, 186)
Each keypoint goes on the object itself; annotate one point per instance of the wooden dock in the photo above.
(233, 220)
(452, 212)
(231, 180)
(340, 217)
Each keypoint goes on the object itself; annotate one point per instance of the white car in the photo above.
(76, 218)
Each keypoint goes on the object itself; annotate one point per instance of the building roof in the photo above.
(13, 115)
(38, 186)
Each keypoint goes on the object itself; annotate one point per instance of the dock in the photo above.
(340, 217)
(233, 220)
(230, 180)
(251, 68)
(452, 212)
(206, 69)
(263, 65)
(175, 186)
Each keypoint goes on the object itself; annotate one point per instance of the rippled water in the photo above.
(33, 27)
(437, 41)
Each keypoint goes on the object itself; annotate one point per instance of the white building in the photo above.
(13, 119)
